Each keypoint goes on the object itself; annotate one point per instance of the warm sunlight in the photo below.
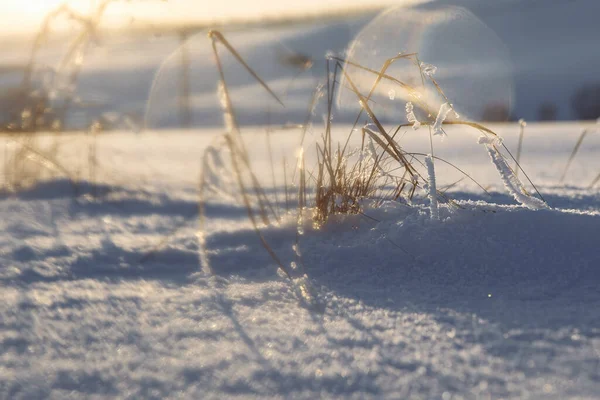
(269, 199)
(25, 16)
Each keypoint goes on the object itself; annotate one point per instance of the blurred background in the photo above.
(149, 64)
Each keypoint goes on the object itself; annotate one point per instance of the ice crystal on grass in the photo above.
(411, 117)
(428, 69)
(510, 180)
(432, 190)
(228, 118)
(441, 117)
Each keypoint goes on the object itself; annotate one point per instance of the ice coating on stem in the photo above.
(441, 117)
(431, 188)
(411, 117)
(510, 180)
(227, 115)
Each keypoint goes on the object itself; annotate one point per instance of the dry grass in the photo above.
(41, 103)
(379, 170)
(573, 154)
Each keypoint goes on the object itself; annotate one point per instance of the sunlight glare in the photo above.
(25, 16)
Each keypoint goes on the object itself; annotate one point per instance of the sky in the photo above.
(24, 16)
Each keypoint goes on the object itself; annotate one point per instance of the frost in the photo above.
(491, 140)
(510, 180)
(227, 115)
(306, 292)
(441, 117)
(410, 116)
(432, 190)
(428, 69)
(392, 94)
(296, 249)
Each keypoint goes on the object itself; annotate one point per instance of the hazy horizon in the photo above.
(25, 17)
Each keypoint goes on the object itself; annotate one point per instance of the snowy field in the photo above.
(104, 295)
(107, 292)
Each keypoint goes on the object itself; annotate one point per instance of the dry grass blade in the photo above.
(184, 82)
(28, 152)
(273, 180)
(264, 203)
(596, 180)
(486, 130)
(522, 126)
(456, 168)
(216, 35)
(573, 154)
(247, 203)
(258, 205)
(393, 147)
(380, 73)
(204, 259)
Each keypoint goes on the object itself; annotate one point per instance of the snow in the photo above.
(105, 297)
(107, 294)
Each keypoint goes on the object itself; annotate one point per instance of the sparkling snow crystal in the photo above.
(428, 69)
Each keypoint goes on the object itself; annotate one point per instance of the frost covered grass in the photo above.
(345, 178)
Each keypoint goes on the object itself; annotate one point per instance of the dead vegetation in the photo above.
(42, 100)
(344, 178)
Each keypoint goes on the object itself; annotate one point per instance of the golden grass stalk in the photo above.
(573, 154)
(257, 206)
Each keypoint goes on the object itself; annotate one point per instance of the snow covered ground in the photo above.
(104, 295)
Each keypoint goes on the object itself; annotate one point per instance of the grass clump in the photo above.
(345, 177)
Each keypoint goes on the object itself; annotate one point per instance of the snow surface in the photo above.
(103, 296)
(103, 290)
